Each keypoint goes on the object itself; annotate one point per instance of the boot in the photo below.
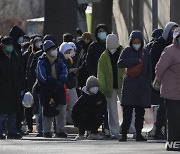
(123, 138)
(139, 137)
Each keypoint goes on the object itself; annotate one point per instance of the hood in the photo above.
(103, 26)
(157, 33)
(167, 29)
(16, 32)
(136, 34)
(84, 90)
(175, 35)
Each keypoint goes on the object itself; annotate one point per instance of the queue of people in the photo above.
(80, 81)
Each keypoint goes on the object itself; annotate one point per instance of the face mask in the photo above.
(73, 54)
(112, 51)
(9, 48)
(178, 40)
(20, 40)
(38, 44)
(66, 56)
(136, 46)
(102, 35)
(93, 90)
(54, 53)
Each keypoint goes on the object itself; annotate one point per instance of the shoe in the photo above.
(94, 137)
(159, 136)
(140, 138)
(14, 136)
(123, 138)
(2, 137)
(79, 137)
(30, 131)
(61, 135)
(39, 134)
(114, 137)
(47, 135)
(23, 133)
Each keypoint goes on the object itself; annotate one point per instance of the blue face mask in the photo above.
(102, 35)
(20, 40)
(9, 48)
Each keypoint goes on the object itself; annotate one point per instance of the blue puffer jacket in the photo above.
(136, 91)
(49, 86)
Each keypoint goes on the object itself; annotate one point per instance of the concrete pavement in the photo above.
(33, 145)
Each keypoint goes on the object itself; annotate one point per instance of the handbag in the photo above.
(136, 70)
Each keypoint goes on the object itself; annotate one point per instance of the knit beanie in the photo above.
(48, 45)
(112, 41)
(64, 47)
(91, 82)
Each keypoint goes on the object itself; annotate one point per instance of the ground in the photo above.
(34, 145)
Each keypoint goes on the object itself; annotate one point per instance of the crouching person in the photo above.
(88, 112)
(52, 74)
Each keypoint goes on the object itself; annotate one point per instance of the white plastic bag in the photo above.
(28, 100)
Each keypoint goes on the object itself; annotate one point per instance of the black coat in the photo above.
(10, 83)
(156, 49)
(89, 104)
(136, 91)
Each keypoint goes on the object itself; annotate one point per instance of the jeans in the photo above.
(10, 120)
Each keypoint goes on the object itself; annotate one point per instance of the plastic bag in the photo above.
(28, 100)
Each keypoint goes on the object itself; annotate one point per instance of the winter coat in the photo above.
(158, 46)
(168, 71)
(49, 86)
(94, 52)
(105, 74)
(16, 32)
(72, 77)
(89, 104)
(136, 91)
(10, 83)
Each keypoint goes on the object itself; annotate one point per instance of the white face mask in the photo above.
(93, 90)
(136, 46)
(72, 53)
(66, 56)
(112, 51)
(54, 53)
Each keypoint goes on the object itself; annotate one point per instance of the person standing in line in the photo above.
(52, 74)
(110, 78)
(136, 91)
(10, 89)
(155, 51)
(168, 75)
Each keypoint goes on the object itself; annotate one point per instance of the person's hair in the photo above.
(67, 37)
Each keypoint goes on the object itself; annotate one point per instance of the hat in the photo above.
(7, 40)
(86, 35)
(92, 82)
(48, 45)
(78, 31)
(73, 45)
(112, 41)
(64, 47)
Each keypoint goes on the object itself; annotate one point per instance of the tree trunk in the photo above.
(60, 17)
(102, 13)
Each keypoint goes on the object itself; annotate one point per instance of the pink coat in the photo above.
(168, 70)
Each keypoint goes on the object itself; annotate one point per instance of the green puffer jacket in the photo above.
(105, 74)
